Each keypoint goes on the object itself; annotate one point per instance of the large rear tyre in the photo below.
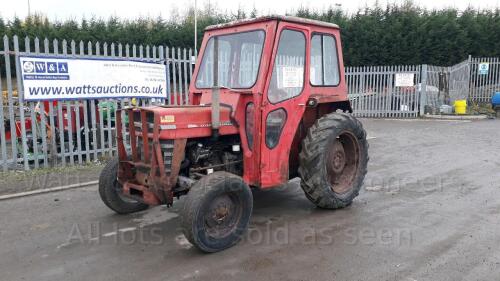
(111, 190)
(217, 212)
(333, 160)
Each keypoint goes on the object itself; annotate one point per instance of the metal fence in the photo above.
(484, 84)
(44, 134)
(373, 92)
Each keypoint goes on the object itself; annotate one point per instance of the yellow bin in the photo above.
(460, 106)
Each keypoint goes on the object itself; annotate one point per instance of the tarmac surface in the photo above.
(429, 210)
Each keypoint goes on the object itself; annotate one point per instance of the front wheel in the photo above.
(111, 191)
(333, 161)
(217, 212)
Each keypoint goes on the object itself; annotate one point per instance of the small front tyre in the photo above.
(217, 212)
(111, 191)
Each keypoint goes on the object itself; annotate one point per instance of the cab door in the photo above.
(284, 101)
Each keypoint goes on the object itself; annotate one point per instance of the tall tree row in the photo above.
(395, 34)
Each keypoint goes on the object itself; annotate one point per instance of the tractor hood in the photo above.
(191, 121)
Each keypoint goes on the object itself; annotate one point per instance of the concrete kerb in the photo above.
(47, 190)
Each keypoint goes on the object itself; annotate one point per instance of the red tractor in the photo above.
(268, 102)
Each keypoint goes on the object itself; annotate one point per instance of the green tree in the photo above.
(394, 34)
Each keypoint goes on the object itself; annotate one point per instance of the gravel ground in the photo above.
(429, 210)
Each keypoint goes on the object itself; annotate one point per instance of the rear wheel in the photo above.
(333, 161)
(111, 191)
(217, 211)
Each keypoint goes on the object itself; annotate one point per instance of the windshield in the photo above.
(238, 60)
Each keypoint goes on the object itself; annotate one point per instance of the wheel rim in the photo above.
(223, 215)
(123, 197)
(343, 162)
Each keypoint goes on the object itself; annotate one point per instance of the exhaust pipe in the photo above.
(216, 92)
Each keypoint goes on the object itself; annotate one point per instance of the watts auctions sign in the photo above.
(48, 78)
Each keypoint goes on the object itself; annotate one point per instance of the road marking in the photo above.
(109, 234)
(47, 190)
(156, 215)
(127, 229)
(64, 245)
(373, 188)
(183, 242)
(113, 233)
(191, 275)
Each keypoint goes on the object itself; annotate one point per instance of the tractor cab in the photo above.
(268, 102)
(270, 70)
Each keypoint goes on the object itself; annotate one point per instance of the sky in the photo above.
(131, 9)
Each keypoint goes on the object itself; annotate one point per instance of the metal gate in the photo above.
(444, 85)
(373, 91)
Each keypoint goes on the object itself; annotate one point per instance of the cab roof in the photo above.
(271, 18)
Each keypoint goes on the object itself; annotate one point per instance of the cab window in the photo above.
(287, 79)
(324, 70)
(238, 60)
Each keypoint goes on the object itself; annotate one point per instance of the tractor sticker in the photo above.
(167, 119)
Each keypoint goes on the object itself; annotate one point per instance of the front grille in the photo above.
(166, 146)
(140, 149)
(150, 118)
(167, 150)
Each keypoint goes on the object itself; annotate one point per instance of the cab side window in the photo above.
(324, 70)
